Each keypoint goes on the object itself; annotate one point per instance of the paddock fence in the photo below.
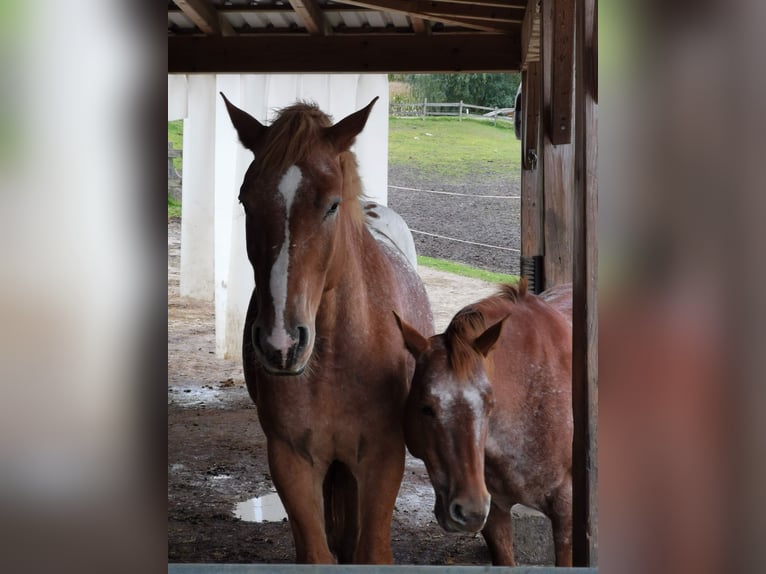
(455, 109)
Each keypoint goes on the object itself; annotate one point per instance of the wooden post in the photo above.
(585, 310)
(562, 59)
(460, 112)
(425, 108)
(532, 201)
(558, 172)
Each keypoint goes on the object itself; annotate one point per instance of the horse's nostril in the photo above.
(303, 337)
(457, 513)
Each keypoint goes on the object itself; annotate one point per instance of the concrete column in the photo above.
(371, 146)
(177, 97)
(227, 182)
(197, 273)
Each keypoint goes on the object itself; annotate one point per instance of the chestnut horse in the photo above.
(490, 413)
(322, 354)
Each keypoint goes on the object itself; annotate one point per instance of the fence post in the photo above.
(174, 178)
(460, 112)
(495, 122)
(425, 109)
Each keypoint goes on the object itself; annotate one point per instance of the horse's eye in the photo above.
(428, 411)
(333, 208)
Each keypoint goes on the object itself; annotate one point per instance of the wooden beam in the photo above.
(531, 33)
(312, 17)
(496, 3)
(379, 53)
(532, 201)
(490, 13)
(558, 174)
(411, 9)
(585, 303)
(420, 25)
(562, 72)
(205, 17)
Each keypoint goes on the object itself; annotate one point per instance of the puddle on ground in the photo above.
(267, 508)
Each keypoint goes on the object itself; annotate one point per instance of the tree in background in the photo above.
(478, 89)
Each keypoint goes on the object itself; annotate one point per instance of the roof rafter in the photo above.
(312, 17)
(205, 17)
(419, 9)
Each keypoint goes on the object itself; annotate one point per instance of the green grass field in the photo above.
(176, 137)
(452, 148)
(466, 271)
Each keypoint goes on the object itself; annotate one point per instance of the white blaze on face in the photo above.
(279, 338)
(449, 393)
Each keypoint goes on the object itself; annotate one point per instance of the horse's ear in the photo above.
(484, 342)
(249, 130)
(415, 342)
(343, 133)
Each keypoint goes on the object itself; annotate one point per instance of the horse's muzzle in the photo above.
(463, 514)
(282, 356)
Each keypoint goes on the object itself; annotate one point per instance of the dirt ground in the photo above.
(217, 453)
(492, 221)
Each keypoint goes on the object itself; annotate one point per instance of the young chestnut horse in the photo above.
(490, 413)
(321, 350)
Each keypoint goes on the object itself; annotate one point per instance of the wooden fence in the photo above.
(456, 109)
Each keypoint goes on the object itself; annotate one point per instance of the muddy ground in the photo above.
(216, 449)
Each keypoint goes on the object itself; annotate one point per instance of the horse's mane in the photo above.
(297, 130)
(469, 323)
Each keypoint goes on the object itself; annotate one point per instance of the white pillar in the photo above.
(371, 146)
(227, 182)
(197, 206)
(177, 97)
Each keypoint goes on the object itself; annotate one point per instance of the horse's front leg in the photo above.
(561, 519)
(498, 533)
(378, 477)
(299, 483)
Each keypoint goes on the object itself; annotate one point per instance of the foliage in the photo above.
(176, 137)
(466, 271)
(174, 208)
(478, 89)
(448, 147)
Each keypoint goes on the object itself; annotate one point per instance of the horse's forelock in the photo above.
(297, 130)
(469, 323)
(459, 336)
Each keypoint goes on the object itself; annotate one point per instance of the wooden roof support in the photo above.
(378, 53)
(312, 17)
(530, 33)
(205, 17)
(421, 9)
(420, 26)
(562, 72)
(585, 303)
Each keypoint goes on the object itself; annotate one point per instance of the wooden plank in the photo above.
(312, 17)
(379, 53)
(585, 304)
(205, 17)
(419, 9)
(532, 238)
(562, 72)
(530, 33)
(420, 25)
(558, 175)
(532, 102)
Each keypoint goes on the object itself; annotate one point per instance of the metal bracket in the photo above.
(531, 159)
